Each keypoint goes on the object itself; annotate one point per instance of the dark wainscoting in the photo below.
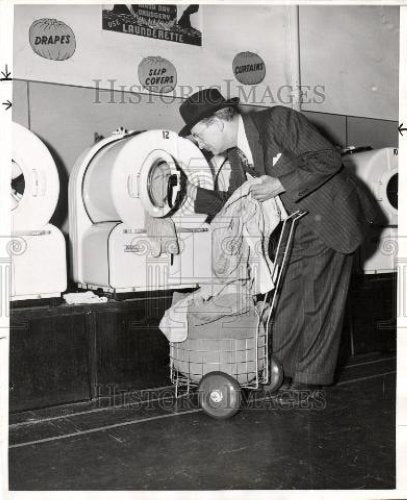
(69, 353)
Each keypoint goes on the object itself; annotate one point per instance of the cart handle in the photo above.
(293, 218)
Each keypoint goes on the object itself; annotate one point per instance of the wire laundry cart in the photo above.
(233, 353)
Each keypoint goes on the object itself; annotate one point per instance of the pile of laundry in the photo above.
(241, 265)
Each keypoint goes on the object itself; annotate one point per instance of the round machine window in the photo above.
(17, 184)
(392, 191)
(158, 178)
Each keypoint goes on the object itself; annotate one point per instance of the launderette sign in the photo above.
(52, 39)
(249, 68)
(157, 74)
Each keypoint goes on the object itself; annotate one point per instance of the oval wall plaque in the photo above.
(52, 39)
(157, 74)
(248, 68)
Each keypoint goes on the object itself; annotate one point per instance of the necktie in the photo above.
(247, 166)
(237, 173)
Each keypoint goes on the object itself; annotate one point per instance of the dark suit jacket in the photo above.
(310, 169)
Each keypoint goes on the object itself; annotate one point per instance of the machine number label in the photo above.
(166, 134)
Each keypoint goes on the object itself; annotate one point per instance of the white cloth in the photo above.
(83, 298)
(242, 268)
(162, 235)
(241, 232)
(174, 323)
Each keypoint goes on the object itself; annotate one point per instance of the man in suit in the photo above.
(293, 160)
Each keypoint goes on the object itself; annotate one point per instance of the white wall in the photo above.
(350, 50)
(354, 52)
(105, 55)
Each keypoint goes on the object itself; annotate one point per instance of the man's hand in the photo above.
(267, 187)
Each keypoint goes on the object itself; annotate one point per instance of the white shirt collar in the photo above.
(242, 142)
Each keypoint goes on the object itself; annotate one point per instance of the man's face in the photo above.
(210, 136)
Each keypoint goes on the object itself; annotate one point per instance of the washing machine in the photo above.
(132, 226)
(378, 169)
(38, 248)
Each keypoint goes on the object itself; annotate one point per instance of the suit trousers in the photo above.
(308, 319)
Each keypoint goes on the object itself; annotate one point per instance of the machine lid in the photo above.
(154, 168)
(34, 181)
(17, 185)
(144, 173)
(161, 182)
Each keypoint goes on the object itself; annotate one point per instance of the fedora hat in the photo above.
(201, 105)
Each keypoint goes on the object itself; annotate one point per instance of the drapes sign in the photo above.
(52, 39)
(171, 23)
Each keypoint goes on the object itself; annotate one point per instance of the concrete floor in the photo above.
(148, 441)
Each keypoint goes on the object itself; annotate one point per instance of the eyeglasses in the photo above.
(197, 134)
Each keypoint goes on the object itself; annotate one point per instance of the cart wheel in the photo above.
(219, 395)
(276, 375)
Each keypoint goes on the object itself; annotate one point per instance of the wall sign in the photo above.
(52, 39)
(249, 68)
(172, 23)
(157, 74)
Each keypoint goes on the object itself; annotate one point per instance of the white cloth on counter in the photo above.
(83, 298)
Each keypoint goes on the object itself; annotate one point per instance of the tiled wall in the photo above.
(375, 133)
(356, 131)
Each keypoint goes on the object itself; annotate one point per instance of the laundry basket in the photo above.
(231, 345)
(230, 353)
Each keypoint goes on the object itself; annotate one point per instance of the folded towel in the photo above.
(83, 298)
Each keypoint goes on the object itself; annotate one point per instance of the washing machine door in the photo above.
(34, 182)
(160, 183)
(144, 172)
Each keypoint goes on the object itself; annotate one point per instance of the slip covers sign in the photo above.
(249, 68)
(52, 39)
(171, 23)
(157, 74)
